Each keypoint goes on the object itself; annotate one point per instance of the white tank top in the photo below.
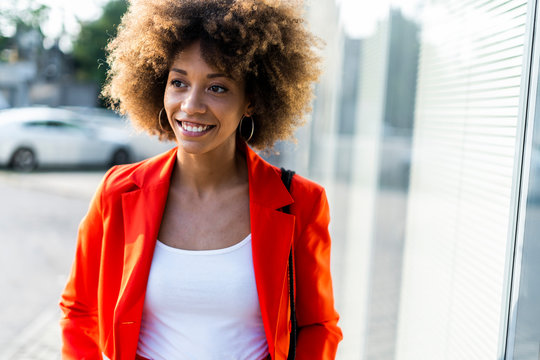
(202, 305)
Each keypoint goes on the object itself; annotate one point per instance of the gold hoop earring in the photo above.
(160, 121)
(252, 127)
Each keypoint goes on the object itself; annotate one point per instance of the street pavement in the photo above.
(39, 216)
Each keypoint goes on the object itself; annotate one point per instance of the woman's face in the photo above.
(203, 105)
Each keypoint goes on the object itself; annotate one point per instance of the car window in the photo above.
(53, 125)
(34, 124)
(59, 124)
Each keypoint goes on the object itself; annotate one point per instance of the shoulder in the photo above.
(299, 186)
(305, 188)
(310, 203)
(308, 196)
(302, 189)
(129, 177)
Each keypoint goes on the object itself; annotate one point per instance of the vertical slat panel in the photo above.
(461, 183)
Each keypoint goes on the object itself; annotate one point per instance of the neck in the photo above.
(207, 173)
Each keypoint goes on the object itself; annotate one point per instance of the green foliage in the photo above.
(33, 17)
(16, 20)
(89, 47)
(4, 42)
(27, 17)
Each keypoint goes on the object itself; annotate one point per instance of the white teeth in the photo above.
(190, 128)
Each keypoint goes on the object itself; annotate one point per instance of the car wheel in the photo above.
(23, 160)
(120, 156)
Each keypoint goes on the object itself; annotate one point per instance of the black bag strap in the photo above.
(286, 177)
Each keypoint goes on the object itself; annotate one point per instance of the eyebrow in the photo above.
(209, 76)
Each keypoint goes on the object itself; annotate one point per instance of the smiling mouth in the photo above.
(193, 127)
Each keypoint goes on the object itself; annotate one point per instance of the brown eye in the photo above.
(178, 83)
(217, 89)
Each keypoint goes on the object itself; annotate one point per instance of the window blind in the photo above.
(464, 142)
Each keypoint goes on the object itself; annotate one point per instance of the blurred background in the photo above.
(423, 133)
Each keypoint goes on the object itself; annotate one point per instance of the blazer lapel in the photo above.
(272, 234)
(142, 213)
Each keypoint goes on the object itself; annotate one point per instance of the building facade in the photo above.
(425, 134)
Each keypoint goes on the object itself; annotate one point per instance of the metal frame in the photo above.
(528, 104)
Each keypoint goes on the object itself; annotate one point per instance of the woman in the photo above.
(185, 255)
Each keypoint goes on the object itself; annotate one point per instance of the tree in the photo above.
(30, 16)
(89, 47)
(26, 21)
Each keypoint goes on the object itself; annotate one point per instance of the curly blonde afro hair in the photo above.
(265, 43)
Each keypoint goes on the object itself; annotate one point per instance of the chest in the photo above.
(205, 224)
(189, 283)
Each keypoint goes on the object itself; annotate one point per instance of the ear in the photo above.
(250, 107)
(249, 111)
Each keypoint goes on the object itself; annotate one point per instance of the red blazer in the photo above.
(103, 299)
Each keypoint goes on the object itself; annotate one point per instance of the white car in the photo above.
(141, 144)
(41, 136)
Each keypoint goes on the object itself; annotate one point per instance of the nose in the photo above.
(193, 102)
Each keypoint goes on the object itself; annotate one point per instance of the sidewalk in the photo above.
(38, 341)
(37, 334)
(70, 184)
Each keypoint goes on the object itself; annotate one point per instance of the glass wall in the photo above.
(460, 199)
(524, 330)
(417, 134)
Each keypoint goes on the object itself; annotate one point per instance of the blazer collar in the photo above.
(155, 170)
(265, 185)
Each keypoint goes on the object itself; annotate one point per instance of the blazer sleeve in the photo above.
(78, 302)
(318, 333)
